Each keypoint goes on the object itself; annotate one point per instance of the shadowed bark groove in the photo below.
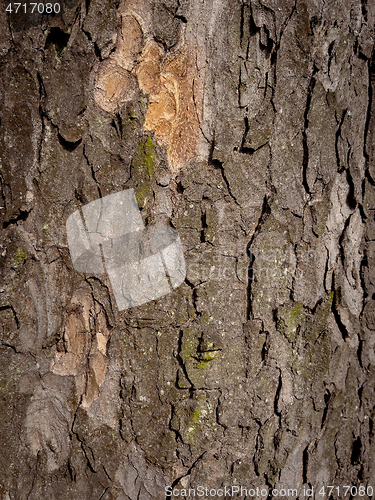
(249, 127)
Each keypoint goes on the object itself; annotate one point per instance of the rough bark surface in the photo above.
(249, 126)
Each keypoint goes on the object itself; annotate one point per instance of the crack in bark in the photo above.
(305, 161)
(182, 364)
(19, 216)
(92, 171)
(68, 146)
(219, 165)
(371, 82)
(82, 441)
(327, 399)
(42, 115)
(176, 481)
(266, 210)
(340, 167)
(250, 279)
(305, 464)
(13, 312)
(196, 108)
(340, 324)
(104, 492)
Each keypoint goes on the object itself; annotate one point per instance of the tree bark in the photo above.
(249, 126)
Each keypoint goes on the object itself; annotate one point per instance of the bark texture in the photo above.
(249, 126)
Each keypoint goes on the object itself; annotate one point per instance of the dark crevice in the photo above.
(79, 196)
(82, 111)
(42, 90)
(250, 151)
(330, 55)
(19, 216)
(217, 415)
(2, 191)
(250, 279)
(363, 266)
(362, 212)
(318, 303)
(327, 397)
(178, 437)
(349, 153)
(277, 397)
(218, 165)
(106, 473)
(92, 172)
(341, 240)
(265, 349)
(176, 481)
(243, 148)
(266, 210)
(196, 107)
(355, 47)
(242, 22)
(181, 18)
(98, 54)
(305, 160)
(305, 464)
(359, 352)
(42, 95)
(285, 23)
(326, 269)
(356, 451)
(58, 39)
(364, 9)
(81, 441)
(104, 492)
(239, 92)
(371, 428)
(204, 227)
(73, 476)
(360, 392)
(371, 75)
(252, 26)
(68, 146)
(336, 301)
(163, 43)
(369, 178)
(189, 284)
(181, 361)
(340, 167)
(268, 48)
(117, 125)
(5, 344)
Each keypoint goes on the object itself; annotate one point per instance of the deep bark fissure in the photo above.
(305, 161)
(340, 168)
